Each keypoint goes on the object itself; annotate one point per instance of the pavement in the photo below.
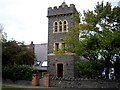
(27, 87)
(24, 86)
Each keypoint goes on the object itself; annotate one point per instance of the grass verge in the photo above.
(11, 88)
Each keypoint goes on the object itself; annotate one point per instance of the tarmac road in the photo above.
(55, 88)
(69, 89)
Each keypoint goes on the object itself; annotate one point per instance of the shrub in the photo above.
(89, 69)
(18, 72)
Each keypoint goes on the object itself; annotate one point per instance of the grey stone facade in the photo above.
(63, 12)
(78, 83)
(68, 66)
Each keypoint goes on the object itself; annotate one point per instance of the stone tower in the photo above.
(59, 21)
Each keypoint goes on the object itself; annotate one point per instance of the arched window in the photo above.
(55, 27)
(60, 26)
(65, 25)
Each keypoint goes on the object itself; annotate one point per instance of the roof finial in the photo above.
(63, 4)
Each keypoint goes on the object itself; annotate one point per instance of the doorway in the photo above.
(60, 70)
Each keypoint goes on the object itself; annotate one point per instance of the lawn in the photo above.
(10, 88)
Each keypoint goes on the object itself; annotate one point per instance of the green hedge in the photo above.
(18, 72)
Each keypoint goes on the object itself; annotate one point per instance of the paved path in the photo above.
(22, 86)
(52, 88)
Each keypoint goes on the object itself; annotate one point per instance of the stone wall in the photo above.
(79, 83)
(19, 82)
(68, 65)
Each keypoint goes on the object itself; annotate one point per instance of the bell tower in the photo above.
(59, 21)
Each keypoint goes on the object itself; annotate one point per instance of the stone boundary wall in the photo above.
(79, 83)
(19, 82)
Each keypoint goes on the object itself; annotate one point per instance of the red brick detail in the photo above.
(46, 80)
(35, 79)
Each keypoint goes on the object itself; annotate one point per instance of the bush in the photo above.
(89, 69)
(18, 72)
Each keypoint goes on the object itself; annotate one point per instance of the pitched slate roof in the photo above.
(40, 51)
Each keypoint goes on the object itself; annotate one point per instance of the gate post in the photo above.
(35, 79)
(46, 80)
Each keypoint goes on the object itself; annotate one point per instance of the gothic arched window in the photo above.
(60, 26)
(56, 27)
(65, 26)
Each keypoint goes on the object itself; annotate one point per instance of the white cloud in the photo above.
(25, 20)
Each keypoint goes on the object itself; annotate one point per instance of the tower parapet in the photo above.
(61, 10)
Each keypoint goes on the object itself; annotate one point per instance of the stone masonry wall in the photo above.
(68, 65)
(77, 83)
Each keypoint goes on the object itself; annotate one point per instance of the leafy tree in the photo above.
(3, 35)
(99, 37)
(89, 69)
(73, 36)
(14, 52)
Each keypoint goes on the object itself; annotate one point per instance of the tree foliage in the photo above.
(2, 34)
(99, 32)
(73, 36)
(18, 72)
(14, 52)
(89, 69)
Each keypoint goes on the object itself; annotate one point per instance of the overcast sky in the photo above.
(25, 20)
